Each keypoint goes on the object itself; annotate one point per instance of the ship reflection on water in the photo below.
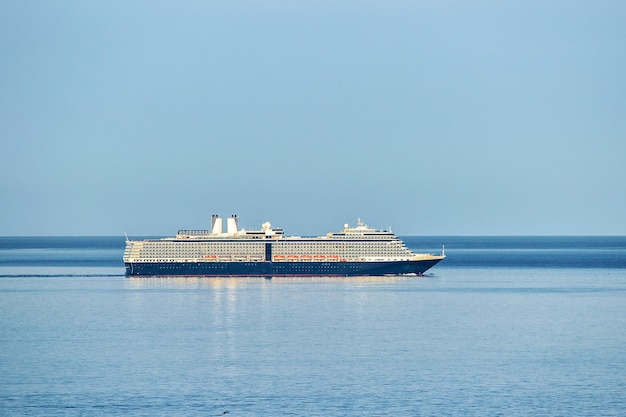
(212, 282)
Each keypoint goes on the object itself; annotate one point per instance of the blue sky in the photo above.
(434, 118)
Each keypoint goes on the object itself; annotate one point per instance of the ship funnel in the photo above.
(216, 224)
(231, 225)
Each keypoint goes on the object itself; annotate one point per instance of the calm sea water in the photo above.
(507, 326)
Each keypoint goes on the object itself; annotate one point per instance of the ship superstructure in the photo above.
(358, 250)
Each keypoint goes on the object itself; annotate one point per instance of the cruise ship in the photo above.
(354, 251)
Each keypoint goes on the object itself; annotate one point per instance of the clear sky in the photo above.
(432, 117)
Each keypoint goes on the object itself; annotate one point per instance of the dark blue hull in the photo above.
(280, 268)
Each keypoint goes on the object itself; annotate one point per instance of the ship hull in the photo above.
(417, 267)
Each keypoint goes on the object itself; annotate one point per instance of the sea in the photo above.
(504, 326)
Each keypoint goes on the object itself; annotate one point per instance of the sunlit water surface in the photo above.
(501, 327)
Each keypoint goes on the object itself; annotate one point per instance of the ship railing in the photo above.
(382, 259)
(194, 232)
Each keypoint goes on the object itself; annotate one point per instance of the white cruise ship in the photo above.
(358, 250)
